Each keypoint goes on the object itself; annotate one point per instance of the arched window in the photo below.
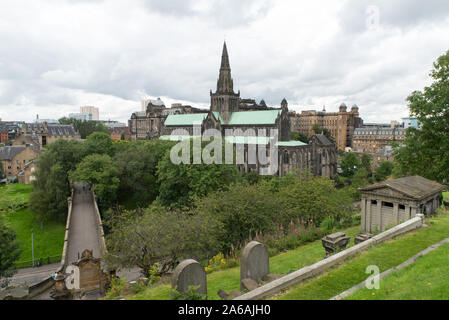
(286, 158)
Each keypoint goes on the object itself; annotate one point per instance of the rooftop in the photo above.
(415, 187)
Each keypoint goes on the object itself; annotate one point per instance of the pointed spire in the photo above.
(225, 58)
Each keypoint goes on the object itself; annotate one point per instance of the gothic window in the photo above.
(286, 158)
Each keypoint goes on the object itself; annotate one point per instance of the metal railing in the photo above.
(37, 262)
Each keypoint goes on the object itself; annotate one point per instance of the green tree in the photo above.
(137, 166)
(100, 143)
(181, 183)
(160, 237)
(85, 127)
(384, 170)
(48, 200)
(426, 150)
(100, 171)
(299, 137)
(365, 162)
(9, 253)
(349, 164)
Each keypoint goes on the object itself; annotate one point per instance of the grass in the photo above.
(229, 279)
(385, 255)
(48, 241)
(426, 279)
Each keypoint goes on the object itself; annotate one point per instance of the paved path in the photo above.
(83, 232)
(34, 275)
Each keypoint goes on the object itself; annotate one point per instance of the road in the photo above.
(83, 226)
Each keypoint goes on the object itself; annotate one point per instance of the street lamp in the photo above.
(32, 244)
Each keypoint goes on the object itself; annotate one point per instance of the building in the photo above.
(340, 124)
(229, 113)
(14, 158)
(371, 138)
(391, 202)
(92, 112)
(4, 135)
(118, 132)
(148, 124)
(26, 175)
(86, 113)
(48, 133)
(49, 121)
(411, 123)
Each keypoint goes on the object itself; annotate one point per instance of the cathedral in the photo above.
(228, 112)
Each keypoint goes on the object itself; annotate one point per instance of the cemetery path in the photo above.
(83, 225)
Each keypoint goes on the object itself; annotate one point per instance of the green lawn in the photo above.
(385, 255)
(48, 241)
(229, 279)
(426, 279)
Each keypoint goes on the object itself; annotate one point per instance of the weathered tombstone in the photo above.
(334, 242)
(362, 237)
(189, 273)
(254, 263)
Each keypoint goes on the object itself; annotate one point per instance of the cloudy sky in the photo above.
(57, 55)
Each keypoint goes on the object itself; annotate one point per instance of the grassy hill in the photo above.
(48, 240)
(337, 279)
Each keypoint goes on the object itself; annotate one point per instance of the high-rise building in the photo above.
(93, 112)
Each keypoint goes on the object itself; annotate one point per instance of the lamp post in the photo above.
(32, 244)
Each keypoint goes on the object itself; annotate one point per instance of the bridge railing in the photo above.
(67, 232)
(99, 224)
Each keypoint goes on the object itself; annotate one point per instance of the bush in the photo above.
(191, 294)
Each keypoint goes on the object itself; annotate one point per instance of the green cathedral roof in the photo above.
(254, 117)
(185, 119)
(291, 143)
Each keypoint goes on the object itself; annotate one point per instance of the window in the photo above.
(374, 202)
(387, 204)
(401, 207)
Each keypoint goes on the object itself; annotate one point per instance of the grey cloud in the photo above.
(355, 14)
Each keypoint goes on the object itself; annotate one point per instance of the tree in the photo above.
(365, 162)
(160, 238)
(299, 137)
(349, 164)
(85, 127)
(181, 183)
(51, 188)
(383, 170)
(100, 143)
(137, 166)
(426, 150)
(100, 171)
(9, 253)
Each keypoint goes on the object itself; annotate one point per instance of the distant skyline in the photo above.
(59, 55)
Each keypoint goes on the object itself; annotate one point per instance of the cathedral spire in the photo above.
(225, 83)
(225, 58)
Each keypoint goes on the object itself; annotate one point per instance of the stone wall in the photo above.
(321, 266)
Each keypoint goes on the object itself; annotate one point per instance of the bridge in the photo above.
(84, 226)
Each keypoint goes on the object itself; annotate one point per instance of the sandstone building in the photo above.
(391, 202)
(48, 133)
(228, 112)
(340, 124)
(373, 138)
(14, 158)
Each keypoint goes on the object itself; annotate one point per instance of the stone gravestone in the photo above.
(189, 273)
(254, 263)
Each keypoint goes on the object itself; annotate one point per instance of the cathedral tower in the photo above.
(224, 100)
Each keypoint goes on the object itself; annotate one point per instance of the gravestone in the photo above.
(189, 273)
(254, 263)
(334, 242)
